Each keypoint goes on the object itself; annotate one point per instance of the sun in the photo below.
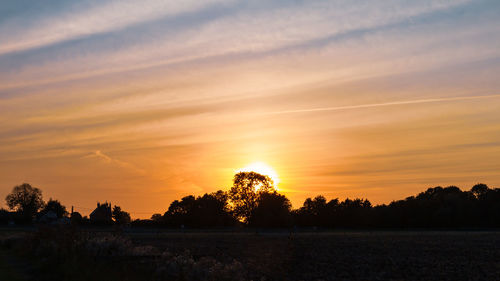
(264, 169)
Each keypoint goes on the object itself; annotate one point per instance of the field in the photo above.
(348, 255)
(367, 255)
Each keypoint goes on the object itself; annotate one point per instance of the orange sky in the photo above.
(143, 102)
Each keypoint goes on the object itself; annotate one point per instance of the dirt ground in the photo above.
(264, 255)
(346, 255)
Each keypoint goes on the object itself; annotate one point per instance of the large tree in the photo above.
(25, 199)
(245, 192)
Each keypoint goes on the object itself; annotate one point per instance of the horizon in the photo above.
(85, 211)
(144, 103)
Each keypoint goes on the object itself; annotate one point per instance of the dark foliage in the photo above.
(436, 207)
(120, 216)
(253, 201)
(209, 210)
(26, 200)
(272, 210)
(245, 191)
(335, 213)
(56, 207)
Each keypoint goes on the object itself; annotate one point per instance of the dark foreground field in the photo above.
(348, 255)
(376, 255)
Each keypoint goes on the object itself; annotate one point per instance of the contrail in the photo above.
(380, 104)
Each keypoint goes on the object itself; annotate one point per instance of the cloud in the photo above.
(395, 103)
(98, 154)
(256, 31)
(88, 19)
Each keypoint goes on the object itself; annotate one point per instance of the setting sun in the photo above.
(264, 169)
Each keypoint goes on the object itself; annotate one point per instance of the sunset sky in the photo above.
(144, 102)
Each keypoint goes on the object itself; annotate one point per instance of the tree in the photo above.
(479, 190)
(208, 210)
(273, 210)
(121, 217)
(178, 212)
(157, 218)
(25, 199)
(212, 210)
(313, 212)
(56, 207)
(244, 194)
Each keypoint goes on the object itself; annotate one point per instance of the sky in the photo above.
(144, 102)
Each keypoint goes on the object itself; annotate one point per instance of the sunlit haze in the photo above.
(144, 102)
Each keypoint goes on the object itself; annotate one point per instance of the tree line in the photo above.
(252, 201)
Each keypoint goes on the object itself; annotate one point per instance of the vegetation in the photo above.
(209, 210)
(252, 201)
(26, 200)
(120, 217)
(56, 207)
(245, 192)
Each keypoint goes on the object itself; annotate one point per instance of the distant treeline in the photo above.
(252, 201)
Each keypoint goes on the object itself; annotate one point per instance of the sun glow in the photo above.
(264, 169)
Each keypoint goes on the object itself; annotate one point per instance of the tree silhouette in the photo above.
(25, 199)
(212, 210)
(56, 207)
(312, 213)
(245, 192)
(120, 216)
(203, 211)
(272, 210)
(347, 213)
(157, 218)
(253, 200)
(479, 190)
(180, 212)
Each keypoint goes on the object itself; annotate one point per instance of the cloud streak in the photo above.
(98, 154)
(259, 30)
(84, 20)
(372, 105)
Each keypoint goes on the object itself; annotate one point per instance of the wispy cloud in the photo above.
(258, 30)
(98, 154)
(370, 105)
(86, 19)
